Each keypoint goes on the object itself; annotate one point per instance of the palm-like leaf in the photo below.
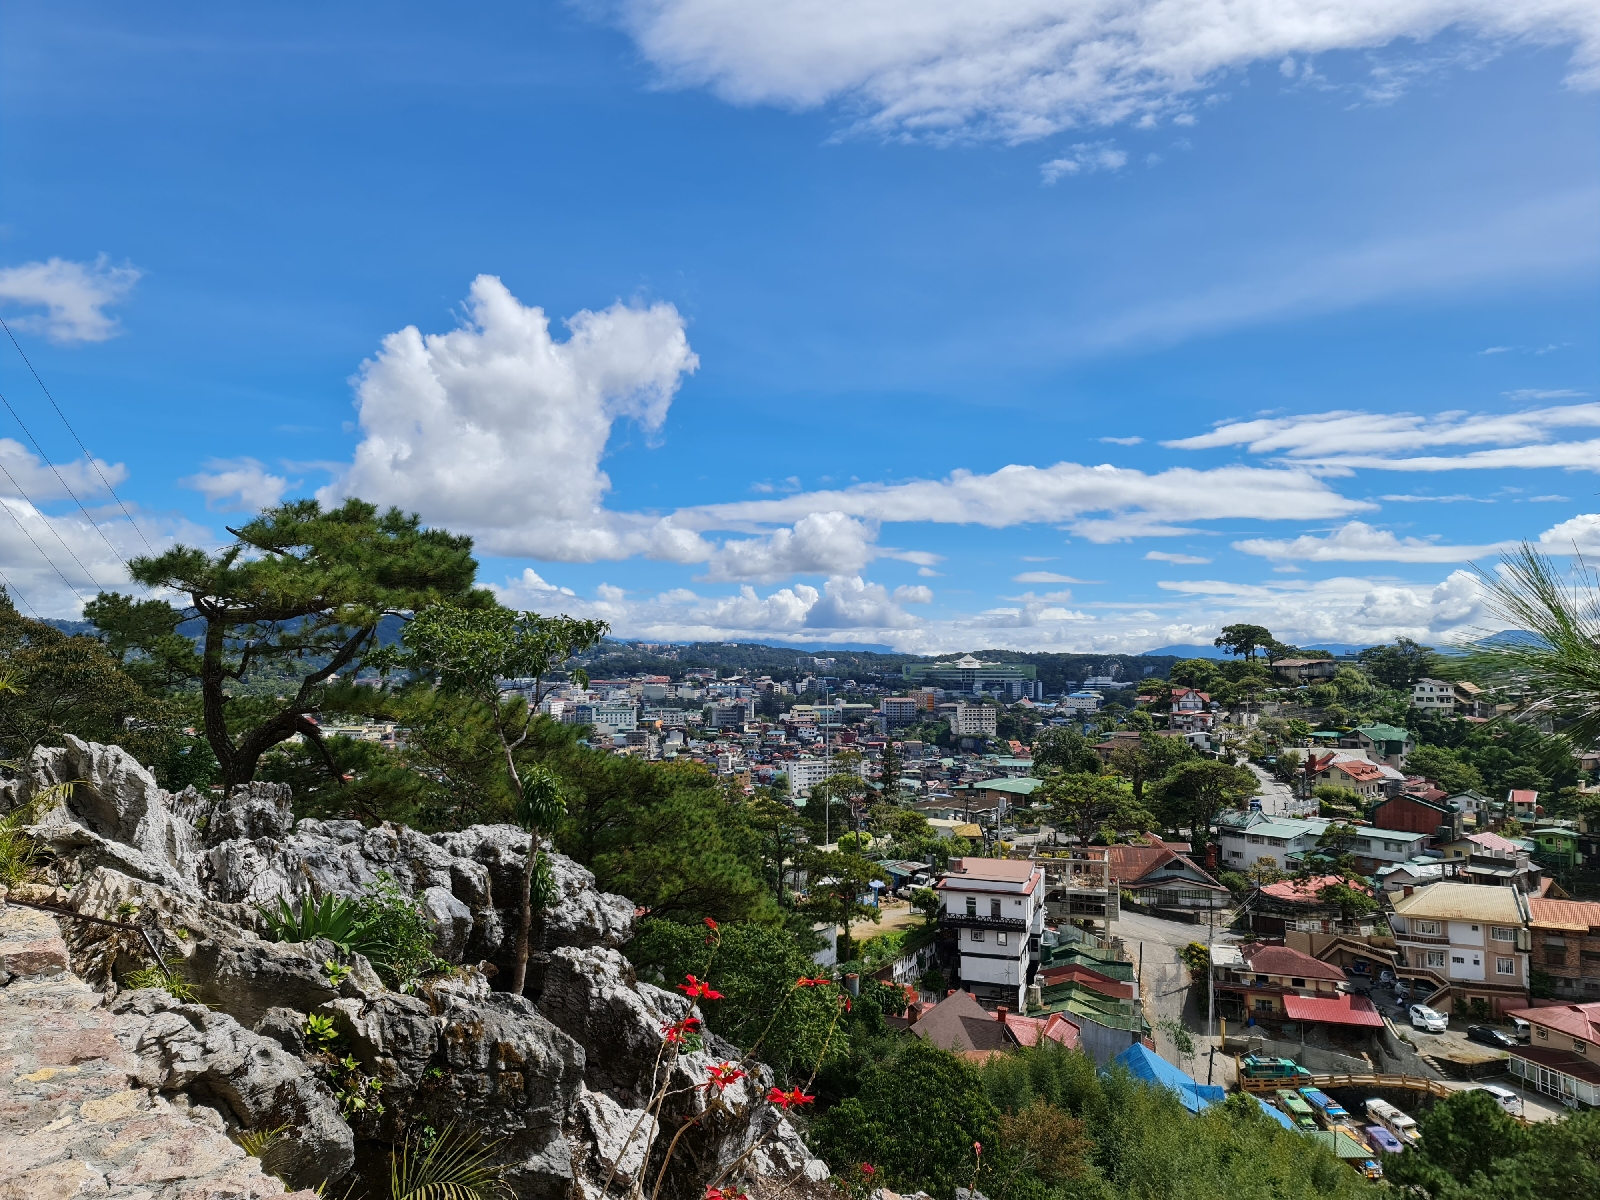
(456, 1166)
(1561, 663)
(332, 918)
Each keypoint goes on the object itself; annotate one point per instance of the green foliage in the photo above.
(1150, 759)
(165, 977)
(1400, 665)
(1197, 673)
(257, 1142)
(1445, 767)
(368, 781)
(1142, 1144)
(1471, 1150)
(1065, 748)
(915, 1114)
(1238, 885)
(453, 1165)
(1195, 790)
(356, 1091)
(332, 918)
(320, 1031)
(394, 935)
(1093, 806)
(1244, 640)
(295, 600)
(755, 968)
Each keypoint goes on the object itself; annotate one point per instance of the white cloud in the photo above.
(1580, 534)
(74, 297)
(1378, 441)
(1085, 158)
(1139, 504)
(1358, 542)
(1043, 577)
(1458, 498)
(497, 429)
(1022, 69)
(913, 594)
(1123, 441)
(237, 484)
(1182, 560)
(822, 543)
(24, 473)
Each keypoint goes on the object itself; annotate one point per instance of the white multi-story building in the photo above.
(900, 710)
(996, 907)
(1468, 937)
(1433, 695)
(667, 718)
(973, 720)
(607, 719)
(1268, 840)
(804, 774)
(1081, 702)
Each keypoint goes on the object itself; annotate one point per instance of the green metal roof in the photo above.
(1384, 733)
(1021, 787)
(1102, 1010)
(1110, 967)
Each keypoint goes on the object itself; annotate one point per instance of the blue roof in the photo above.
(1144, 1063)
(1278, 1115)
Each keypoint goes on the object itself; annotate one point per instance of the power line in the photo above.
(31, 370)
(87, 574)
(12, 589)
(36, 545)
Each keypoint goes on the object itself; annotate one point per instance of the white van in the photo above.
(1521, 1030)
(1395, 1121)
(1504, 1097)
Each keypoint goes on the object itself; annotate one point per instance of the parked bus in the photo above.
(1299, 1111)
(1396, 1122)
(1326, 1107)
(1382, 1140)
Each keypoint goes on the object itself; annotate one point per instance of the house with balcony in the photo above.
(1461, 941)
(1382, 743)
(1565, 936)
(995, 908)
(1490, 858)
(1161, 876)
(1297, 904)
(1267, 980)
(1562, 1054)
(1246, 839)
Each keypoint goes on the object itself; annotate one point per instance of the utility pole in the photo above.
(1211, 975)
(827, 772)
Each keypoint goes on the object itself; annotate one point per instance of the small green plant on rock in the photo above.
(337, 972)
(356, 1091)
(165, 977)
(320, 1031)
(452, 1165)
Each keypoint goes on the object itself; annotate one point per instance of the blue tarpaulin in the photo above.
(1146, 1064)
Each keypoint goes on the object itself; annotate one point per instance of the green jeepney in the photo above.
(1299, 1111)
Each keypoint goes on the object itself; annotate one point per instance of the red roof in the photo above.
(1363, 772)
(1523, 797)
(1055, 1027)
(1564, 914)
(1333, 1010)
(1280, 960)
(1493, 841)
(1305, 891)
(1075, 973)
(1574, 1020)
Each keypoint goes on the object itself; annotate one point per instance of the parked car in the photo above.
(1504, 1097)
(1423, 1017)
(1491, 1036)
(1386, 976)
(1521, 1030)
(1402, 990)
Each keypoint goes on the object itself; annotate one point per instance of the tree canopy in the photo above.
(295, 601)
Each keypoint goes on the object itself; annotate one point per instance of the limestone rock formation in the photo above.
(561, 1076)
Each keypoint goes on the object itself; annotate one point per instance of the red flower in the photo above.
(678, 1034)
(977, 1148)
(787, 1099)
(868, 1170)
(693, 988)
(713, 1193)
(844, 999)
(819, 981)
(721, 1075)
(710, 924)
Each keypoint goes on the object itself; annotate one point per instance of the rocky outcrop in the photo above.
(560, 1077)
(75, 1119)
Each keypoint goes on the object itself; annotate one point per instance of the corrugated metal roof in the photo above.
(1461, 902)
(1333, 1010)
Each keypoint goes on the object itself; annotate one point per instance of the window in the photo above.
(1362, 843)
(1263, 1004)
(994, 908)
(1501, 933)
(977, 935)
(1541, 1032)
(1505, 966)
(1579, 1046)
(1261, 980)
(1434, 958)
(1257, 840)
(1457, 959)
(1001, 938)
(1235, 853)
(1474, 929)
(1297, 983)
(1393, 847)
(1425, 928)
(972, 906)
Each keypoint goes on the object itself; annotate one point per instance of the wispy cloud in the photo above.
(73, 295)
(1357, 541)
(1085, 159)
(1123, 441)
(1181, 560)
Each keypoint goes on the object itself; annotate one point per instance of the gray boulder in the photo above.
(189, 1048)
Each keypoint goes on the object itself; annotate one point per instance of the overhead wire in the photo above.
(106, 482)
(36, 545)
(11, 588)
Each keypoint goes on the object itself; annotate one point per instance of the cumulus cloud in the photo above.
(28, 477)
(1181, 560)
(1580, 534)
(73, 295)
(1023, 69)
(497, 429)
(237, 484)
(822, 543)
(914, 593)
(1357, 541)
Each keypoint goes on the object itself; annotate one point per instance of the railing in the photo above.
(974, 921)
(1415, 1083)
(1423, 939)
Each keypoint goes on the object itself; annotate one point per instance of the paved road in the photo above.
(1277, 799)
(1154, 943)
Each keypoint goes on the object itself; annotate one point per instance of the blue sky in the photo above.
(855, 311)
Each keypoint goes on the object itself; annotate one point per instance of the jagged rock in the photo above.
(116, 814)
(593, 994)
(620, 1139)
(451, 921)
(187, 1047)
(252, 811)
(286, 1027)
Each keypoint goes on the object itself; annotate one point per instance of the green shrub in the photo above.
(165, 977)
(331, 918)
(394, 935)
